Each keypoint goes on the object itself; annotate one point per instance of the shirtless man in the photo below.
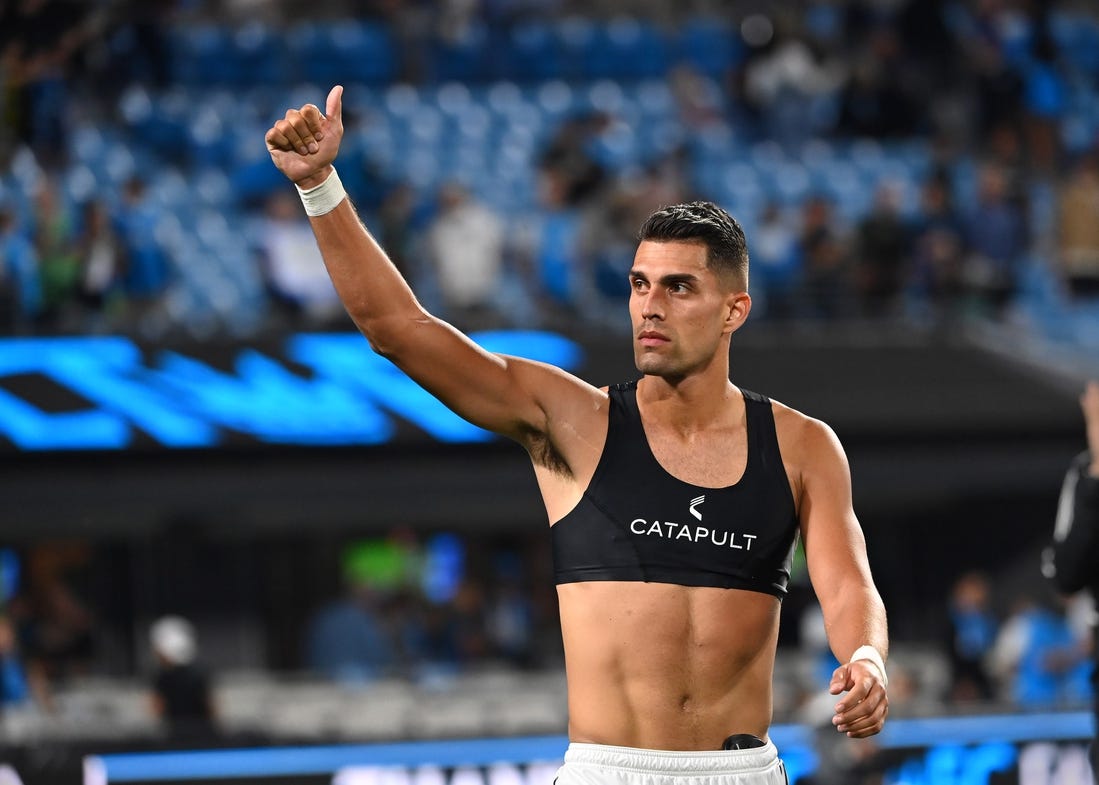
(672, 536)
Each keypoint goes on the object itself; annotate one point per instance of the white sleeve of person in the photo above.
(874, 656)
(323, 198)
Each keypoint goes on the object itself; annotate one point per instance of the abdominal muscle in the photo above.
(662, 666)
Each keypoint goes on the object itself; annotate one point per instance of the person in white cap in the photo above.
(182, 697)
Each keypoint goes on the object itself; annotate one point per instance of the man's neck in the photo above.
(691, 404)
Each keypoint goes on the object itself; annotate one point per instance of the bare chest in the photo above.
(711, 460)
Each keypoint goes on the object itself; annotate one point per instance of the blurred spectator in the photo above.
(1045, 94)
(826, 284)
(569, 162)
(56, 631)
(881, 264)
(466, 245)
(148, 269)
(144, 26)
(1078, 227)
(776, 264)
(549, 247)
(182, 696)
(695, 100)
(510, 614)
(468, 609)
(1005, 150)
(939, 249)
(396, 227)
(998, 86)
(20, 289)
(38, 39)
(14, 687)
(293, 269)
(58, 257)
(349, 640)
(784, 83)
(376, 627)
(874, 102)
(972, 634)
(1039, 658)
(101, 266)
(928, 43)
(996, 236)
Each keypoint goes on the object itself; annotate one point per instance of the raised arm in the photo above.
(514, 397)
(854, 616)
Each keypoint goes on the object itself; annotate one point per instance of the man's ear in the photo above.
(739, 305)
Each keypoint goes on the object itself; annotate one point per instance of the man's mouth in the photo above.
(651, 338)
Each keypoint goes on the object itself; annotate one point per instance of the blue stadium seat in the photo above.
(162, 126)
(452, 98)
(627, 48)
(710, 45)
(346, 50)
(79, 185)
(654, 98)
(365, 52)
(532, 53)
(556, 99)
(604, 95)
(209, 140)
(205, 55)
(575, 37)
(259, 56)
(465, 58)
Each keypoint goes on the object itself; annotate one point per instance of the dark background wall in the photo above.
(956, 454)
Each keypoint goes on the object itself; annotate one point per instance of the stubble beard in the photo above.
(654, 364)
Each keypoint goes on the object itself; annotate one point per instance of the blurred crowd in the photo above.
(428, 610)
(1034, 651)
(989, 88)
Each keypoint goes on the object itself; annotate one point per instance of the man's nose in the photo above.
(652, 305)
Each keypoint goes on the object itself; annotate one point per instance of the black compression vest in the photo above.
(636, 522)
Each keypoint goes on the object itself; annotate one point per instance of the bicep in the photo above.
(835, 547)
(511, 396)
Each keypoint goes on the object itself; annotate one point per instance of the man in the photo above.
(674, 502)
(181, 692)
(1072, 562)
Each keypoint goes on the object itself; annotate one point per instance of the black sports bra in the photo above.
(636, 522)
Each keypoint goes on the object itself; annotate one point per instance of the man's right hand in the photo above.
(304, 143)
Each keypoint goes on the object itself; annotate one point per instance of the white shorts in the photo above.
(598, 764)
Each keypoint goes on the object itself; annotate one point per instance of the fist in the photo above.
(304, 143)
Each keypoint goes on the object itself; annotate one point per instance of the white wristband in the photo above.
(323, 198)
(870, 653)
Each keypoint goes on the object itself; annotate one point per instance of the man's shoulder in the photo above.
(787, 417)
(803, 438)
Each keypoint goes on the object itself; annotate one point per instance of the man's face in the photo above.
(679, 308)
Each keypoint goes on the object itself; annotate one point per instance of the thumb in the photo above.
(839, 680)
(333, 108)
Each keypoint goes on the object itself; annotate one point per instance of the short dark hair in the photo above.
(707, 224)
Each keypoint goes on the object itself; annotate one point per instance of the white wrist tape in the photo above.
(323, 198)
(870, 653)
